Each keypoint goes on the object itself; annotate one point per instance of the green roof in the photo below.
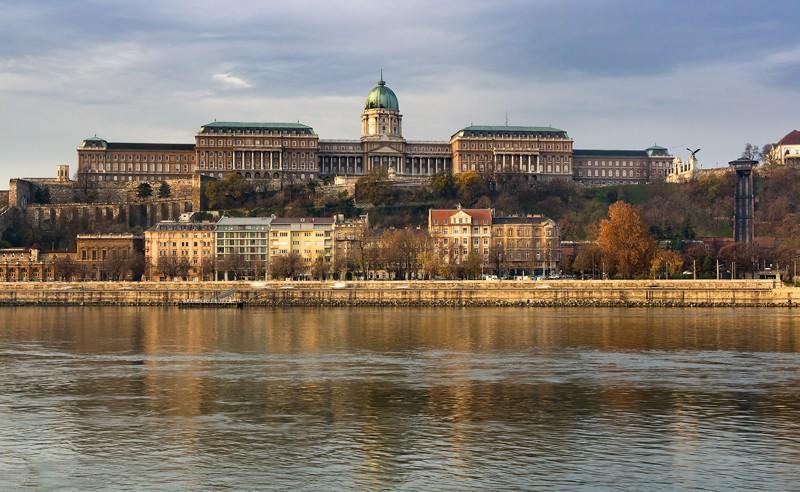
(257, 125)
(656, 147)
(382, 97)
(512, 129)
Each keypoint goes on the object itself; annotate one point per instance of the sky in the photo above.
(615, 74)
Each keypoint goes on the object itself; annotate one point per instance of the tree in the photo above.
(443, 185)
(625, 242)
(164, 190)
(472, 265)
(374, 188)
(232, 265)
(471, 186)
(751, 152)
(321, 268)
(144, 190)
(431, 266)
(183, 268)
(168, 266)
(228, 192)
(587, 259)
(65, 268)
(258, 268)
(208, 266)
(135, 265)
(667, 263)
(498, 259)
(113, 266)
(286, 266)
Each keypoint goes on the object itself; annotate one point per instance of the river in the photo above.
(406, 398)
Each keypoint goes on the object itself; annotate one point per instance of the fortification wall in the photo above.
(67, 192)
(469, 293)
(100, 217)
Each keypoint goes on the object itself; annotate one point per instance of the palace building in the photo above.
(293, 151)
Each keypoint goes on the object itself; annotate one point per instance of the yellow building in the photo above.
(179, 249)
(309, 237)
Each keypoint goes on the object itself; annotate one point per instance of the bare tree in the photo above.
(233, 264)
(208, 266)
(183, 268)
(65, 267)
(168, 266)
(286, 266)
(321, 268)
(751, 152)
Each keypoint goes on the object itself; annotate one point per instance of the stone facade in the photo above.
(529, 245)
(183, 249)
(100, 160)
(32, 265)
(458, 232)
(514, 245)
(277, 152)
(605, 167)
(108, 256)
(532, 152)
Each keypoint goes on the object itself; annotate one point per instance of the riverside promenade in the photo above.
(633, 293)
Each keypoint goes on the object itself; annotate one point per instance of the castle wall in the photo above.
(102, 217)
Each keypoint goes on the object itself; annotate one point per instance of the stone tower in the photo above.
(744, 200)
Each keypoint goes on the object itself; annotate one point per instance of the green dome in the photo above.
(382, 97)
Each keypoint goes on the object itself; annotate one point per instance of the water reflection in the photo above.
(402, 398)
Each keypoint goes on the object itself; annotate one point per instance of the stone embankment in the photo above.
(634, 293)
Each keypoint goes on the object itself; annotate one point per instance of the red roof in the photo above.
(483, 216)
(791, 138)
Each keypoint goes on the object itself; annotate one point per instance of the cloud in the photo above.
(613, 73)
(231, 81)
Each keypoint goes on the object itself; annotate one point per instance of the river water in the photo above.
(454, 399)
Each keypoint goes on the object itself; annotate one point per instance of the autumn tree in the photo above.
(472, 265)
(666, 262)
(430, 264)
(587, 259)
(626, 245)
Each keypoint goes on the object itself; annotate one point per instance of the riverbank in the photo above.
(633, 293)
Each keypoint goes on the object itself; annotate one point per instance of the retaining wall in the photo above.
(421, 293)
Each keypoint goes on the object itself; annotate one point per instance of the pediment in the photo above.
(385, 149)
